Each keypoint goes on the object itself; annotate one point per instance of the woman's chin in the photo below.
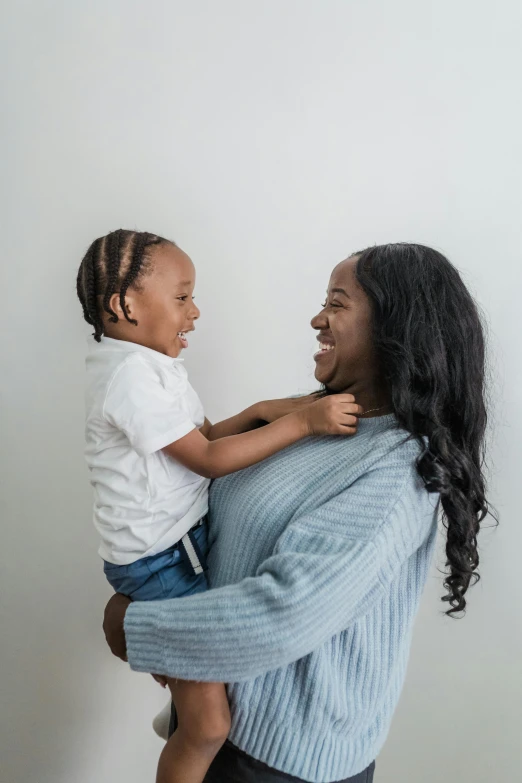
(324, 366)
(329, 383)
(321, 376)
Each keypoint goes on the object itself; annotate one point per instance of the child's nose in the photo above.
(195, 312)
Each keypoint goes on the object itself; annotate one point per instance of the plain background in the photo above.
(269, 139)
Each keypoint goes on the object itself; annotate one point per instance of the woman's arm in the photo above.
(334, 415)
(328, 568)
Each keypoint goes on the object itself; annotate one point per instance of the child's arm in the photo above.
(255, 416)
(334, 415)
(249, 419)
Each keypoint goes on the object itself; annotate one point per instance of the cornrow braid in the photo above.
(87, 287)
(112, 270)
(112, 264)
(81, 283)
(142, 240)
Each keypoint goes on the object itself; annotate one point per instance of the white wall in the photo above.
(269, 139)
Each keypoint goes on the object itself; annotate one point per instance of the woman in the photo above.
(319, 555)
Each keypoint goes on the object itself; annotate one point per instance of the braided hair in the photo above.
(430, 345)
(112, 264)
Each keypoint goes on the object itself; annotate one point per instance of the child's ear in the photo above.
(114, 304)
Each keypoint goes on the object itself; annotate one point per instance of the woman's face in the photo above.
(346, 359)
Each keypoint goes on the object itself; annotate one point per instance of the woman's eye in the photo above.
(331, 304)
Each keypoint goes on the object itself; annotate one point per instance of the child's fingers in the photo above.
(353, 408)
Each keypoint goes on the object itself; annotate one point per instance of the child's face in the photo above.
(163, 305)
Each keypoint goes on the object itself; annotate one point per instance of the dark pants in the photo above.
(231, 765)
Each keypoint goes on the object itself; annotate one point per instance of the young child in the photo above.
(152, 453)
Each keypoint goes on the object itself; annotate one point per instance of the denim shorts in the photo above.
(168, 574)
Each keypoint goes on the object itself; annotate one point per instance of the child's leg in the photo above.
(203, 725)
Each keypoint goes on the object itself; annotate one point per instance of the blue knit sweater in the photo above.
(318, 560)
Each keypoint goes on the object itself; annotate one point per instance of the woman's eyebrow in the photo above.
(340, 291)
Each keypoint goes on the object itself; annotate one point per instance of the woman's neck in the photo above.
(374, 401)
(379, 410)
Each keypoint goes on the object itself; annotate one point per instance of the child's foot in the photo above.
(161, 722)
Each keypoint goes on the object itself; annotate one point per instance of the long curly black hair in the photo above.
(430, 345)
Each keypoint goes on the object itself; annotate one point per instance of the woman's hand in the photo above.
(270, 410)
(113, 618)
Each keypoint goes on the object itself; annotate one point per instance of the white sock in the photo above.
(161, 722)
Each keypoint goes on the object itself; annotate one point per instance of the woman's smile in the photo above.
(326, 346)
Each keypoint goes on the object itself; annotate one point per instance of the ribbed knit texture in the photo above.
(318, 559)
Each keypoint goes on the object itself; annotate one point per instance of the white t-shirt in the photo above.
(137, 402)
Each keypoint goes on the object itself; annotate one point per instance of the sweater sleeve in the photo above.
(329, 567)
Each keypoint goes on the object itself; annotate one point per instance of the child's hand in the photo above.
(333, 415)
(113, 619)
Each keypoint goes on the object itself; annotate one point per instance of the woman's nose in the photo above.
(319, 321)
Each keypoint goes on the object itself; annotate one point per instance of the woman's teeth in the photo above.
(323, 347)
